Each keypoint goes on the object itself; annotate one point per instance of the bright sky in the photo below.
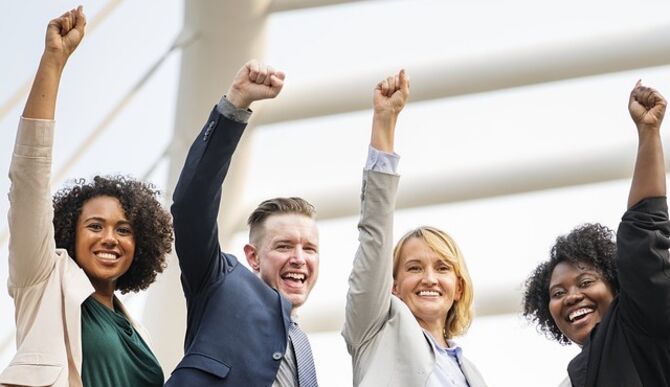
(502, 238)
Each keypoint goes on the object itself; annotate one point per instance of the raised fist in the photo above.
(646, 107)
(64, 34)
(391, 94)
(254, 81)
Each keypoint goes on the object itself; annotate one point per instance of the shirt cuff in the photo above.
(229, 111)
(379, 161)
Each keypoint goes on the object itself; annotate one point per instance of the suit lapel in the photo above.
(471, 374)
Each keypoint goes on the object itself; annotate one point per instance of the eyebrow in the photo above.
(99, 219)
(579, 276)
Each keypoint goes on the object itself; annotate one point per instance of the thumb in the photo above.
(404, 82)
(80, 20)
(277, 80)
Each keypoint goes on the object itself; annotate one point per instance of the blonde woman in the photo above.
(404, 306)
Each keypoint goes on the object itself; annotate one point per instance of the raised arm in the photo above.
(371, 279)
(31, 245)
(647, 108)
(643, 237)
(198, 192)
(63, 36)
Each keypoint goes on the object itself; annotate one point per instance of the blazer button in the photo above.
(277, 356)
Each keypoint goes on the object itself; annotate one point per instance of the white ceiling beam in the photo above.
(294, 5)
(493, 70)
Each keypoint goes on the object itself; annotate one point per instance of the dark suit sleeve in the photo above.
(196, 201)
(643, 262)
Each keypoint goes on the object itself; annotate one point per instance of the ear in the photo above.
(252, 257)
(394, 289)
(459, 290)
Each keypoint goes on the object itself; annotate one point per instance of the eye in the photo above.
(585, 283)
(94, 227)
(311, 250)
(444, 268)
(124, 230)
(283, 247)
(414, 269)
(557, 293)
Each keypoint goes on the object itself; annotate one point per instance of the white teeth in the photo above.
(578, 313)
(106, 255)
(296, 276)
(429, 293)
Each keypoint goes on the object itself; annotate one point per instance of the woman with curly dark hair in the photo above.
(67, 257)
(613, 300)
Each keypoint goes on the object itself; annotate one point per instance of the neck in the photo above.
(436, 329)
(104, 294)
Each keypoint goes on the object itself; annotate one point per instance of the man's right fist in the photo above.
(254, 81)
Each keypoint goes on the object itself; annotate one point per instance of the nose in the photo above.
(573, 297)
(109, 239)
(429, 277)
(298, 257)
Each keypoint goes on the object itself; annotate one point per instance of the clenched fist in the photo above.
(254, 81)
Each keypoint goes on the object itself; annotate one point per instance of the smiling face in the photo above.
(104, 241)
(426, 282)
(286, 255)
(578, 299)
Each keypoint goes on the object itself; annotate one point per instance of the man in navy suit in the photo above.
(239, 326)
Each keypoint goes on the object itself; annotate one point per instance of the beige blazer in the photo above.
(47, 286)
(387, 344)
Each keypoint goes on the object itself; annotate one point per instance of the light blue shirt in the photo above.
(448, 361)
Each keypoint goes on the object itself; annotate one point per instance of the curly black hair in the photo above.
(590, 244)
(152, 225)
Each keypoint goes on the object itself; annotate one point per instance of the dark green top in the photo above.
(114, 353)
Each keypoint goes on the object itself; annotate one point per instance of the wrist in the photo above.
(237, 99)
(52, 62)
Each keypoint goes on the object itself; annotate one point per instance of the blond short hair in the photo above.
(292, 205)
(460, 315)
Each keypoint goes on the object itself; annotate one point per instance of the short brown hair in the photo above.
(292, 205)
(460, 315)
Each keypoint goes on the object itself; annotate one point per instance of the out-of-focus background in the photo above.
(517, 130)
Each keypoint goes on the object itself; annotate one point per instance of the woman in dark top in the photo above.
(67, 257)
(613, 300)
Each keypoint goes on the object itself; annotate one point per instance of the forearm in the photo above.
(41, 103)
(383, 131)
(649, 173)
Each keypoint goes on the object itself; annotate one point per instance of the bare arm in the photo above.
(390, 97)
(62, 37)
(647, 108)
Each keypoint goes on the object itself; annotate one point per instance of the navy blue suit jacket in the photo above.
(237, 325)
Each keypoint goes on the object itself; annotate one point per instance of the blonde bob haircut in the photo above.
(460, 315)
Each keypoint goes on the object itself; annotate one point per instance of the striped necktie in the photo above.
(303, 357)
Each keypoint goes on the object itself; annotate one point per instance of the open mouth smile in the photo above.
(294, 277)
(107, 256)
(579, 314)
(428, 293)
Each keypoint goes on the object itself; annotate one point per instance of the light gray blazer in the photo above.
(387, 345)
